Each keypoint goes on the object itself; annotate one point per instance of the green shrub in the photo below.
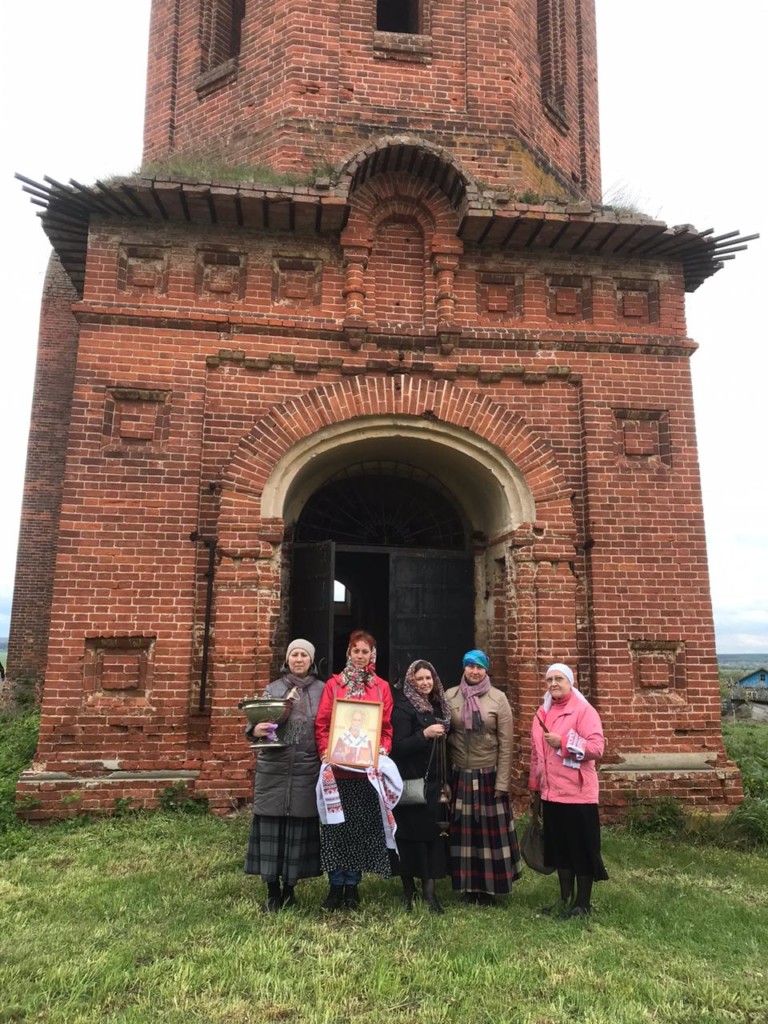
(747, 745)
(18, 741)
(662, 816)
(178, 799)
(750, 823)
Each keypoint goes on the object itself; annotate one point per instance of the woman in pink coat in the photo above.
(566, 740)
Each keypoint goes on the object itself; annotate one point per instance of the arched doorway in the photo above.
(485, 485)
(383, 545)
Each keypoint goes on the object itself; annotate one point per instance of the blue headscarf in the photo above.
(476, 658)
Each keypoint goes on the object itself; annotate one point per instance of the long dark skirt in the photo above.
(485, 856)
(422, 851)
(280, 847)
(422, 860)
(357, 843)
(572, 838)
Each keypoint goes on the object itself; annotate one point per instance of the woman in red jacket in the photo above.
(566, 740)
(358, 843)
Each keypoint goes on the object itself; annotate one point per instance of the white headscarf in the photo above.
(561, 667)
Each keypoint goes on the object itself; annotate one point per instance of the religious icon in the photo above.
(355, 733)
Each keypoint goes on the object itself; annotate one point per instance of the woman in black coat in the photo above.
(420, 721)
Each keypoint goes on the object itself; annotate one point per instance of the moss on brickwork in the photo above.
(214, 168)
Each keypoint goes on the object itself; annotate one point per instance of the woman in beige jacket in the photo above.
(485, 857)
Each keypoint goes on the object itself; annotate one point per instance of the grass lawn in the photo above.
(146, 919)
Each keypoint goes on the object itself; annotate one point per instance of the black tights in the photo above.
(583, 887)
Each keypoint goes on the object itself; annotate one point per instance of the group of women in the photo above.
(459, 741)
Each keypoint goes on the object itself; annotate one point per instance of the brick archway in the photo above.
(423, 159)
(247, 528)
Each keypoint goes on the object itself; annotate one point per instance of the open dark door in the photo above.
(431, 615)
(312, 605)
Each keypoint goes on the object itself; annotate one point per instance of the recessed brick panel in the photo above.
(220, 275)
(643, 434)
(569, 298)
(659, 665)
(637, 302)
(500, 295)
(118, 664)
(136, 418)
(296, 283)
(142, 270)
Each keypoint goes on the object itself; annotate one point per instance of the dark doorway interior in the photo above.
(384, 551)
(365, 575)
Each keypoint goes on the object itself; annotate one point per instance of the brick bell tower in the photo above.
(359, 346)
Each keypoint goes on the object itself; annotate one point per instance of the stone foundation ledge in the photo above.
(698, 784)
(45, 795)
(675, 762)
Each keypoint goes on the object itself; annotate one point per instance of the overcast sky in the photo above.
(682, 88)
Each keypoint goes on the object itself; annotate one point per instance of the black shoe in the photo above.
(556, 910)
(485, 899)
(434, 905)
(351, 897)
(288, 897)
(470, 898)
(273, 897)
(576, 911)
(334, 899)
(409, 892)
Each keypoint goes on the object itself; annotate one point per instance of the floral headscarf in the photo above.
(435, 704)
(355, 679)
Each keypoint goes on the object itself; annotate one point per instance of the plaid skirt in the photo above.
(281, 847)
(357, 843)
(485, 856)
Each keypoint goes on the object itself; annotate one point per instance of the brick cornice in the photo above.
(494, 221)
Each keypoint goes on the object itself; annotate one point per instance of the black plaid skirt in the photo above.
(280, 847)
(357, 843)
(485, 856)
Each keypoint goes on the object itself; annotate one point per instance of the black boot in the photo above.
(288, 897)
(409, 892)
(428, 891)
(581, 906)
(351, 897)
(334, 898)
(563, 905)
(273, 897)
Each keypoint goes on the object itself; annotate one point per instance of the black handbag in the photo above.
(532, 843)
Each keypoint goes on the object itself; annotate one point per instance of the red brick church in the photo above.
(361, 347)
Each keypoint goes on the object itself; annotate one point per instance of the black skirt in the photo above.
(572, 838)
(358, 843)
(422, 849)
